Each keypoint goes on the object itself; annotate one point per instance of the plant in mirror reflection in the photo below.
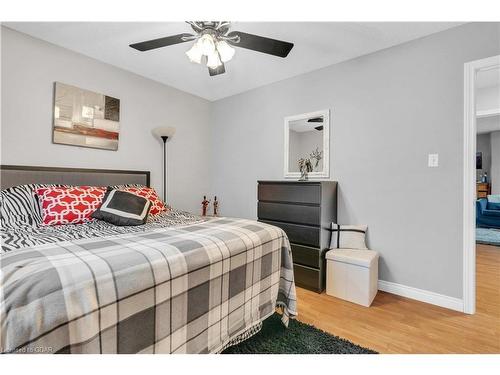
(306, 164)
(317, 155)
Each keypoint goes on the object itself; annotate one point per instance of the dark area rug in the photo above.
(298, 338)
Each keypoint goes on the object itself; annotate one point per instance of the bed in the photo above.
(178, 284)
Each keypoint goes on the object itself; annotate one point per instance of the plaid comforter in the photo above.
(188, 289)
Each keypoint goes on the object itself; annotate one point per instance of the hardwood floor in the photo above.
(396, 324)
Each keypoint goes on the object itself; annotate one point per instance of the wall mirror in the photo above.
(307, 139)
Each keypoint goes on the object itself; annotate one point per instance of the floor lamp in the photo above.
(164, 133)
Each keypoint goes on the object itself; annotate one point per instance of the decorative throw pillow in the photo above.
(19, 206)
(123, 209)
(157, 206)
(494, 198)
(69, 205)
(348, 237)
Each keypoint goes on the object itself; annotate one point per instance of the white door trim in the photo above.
(469, 183)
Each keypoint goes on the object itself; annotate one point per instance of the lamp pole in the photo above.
(164, 139)
(164, 133)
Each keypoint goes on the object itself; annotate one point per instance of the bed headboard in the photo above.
(12, 175)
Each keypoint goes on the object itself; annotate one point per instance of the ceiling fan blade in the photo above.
(160, 42)
(315, 119)
(219, 70)
(262, 44)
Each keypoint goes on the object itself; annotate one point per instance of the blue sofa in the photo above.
(487, 214)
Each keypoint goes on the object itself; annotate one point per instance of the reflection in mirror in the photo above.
(306, 142)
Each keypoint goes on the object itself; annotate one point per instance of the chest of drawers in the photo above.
(483, 189)
(305, 211)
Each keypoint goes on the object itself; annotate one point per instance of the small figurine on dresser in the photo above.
(204, 206)
(216, 206)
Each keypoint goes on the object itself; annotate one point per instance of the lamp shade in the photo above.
(226, 52)
(195, 54)
(164, 131)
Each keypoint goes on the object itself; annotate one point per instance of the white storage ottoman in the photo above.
(352, 275)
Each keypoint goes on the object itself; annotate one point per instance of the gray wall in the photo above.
(388, 111)
(301, 144)
(495, 163)
(29, 69)
(483, 144)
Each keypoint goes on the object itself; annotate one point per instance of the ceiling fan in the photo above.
(213, 40)
(317, 119)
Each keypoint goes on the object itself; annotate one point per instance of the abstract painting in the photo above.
(85, 118)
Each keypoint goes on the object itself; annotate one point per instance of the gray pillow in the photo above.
(122, 208)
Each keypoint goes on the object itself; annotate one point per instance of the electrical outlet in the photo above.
(433, 160)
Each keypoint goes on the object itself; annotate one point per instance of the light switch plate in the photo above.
(433, 160)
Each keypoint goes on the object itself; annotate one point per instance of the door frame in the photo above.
(469, 183)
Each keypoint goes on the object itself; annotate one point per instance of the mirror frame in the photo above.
(326, 144)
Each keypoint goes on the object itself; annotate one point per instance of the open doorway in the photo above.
(487, 93)
(481, 173)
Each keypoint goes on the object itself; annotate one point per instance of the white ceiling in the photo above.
(301, 126)
(317, 44)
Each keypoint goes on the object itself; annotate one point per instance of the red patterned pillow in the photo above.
(69, 205)
(157, 206)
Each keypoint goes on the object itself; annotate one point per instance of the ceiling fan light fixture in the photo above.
(195, 54)
(214, 40)
(226, 52)
(206, 43)
(213, 60)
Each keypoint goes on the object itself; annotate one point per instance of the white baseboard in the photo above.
(421, 295)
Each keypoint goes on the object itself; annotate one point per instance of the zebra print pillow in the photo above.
(19, 206)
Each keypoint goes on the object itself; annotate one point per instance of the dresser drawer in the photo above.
(293, 213)
(307, 277)
(306, 256)
(297, 193)
(299, 234)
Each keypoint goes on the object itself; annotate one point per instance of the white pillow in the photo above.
(494, 198)
(348, 237)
